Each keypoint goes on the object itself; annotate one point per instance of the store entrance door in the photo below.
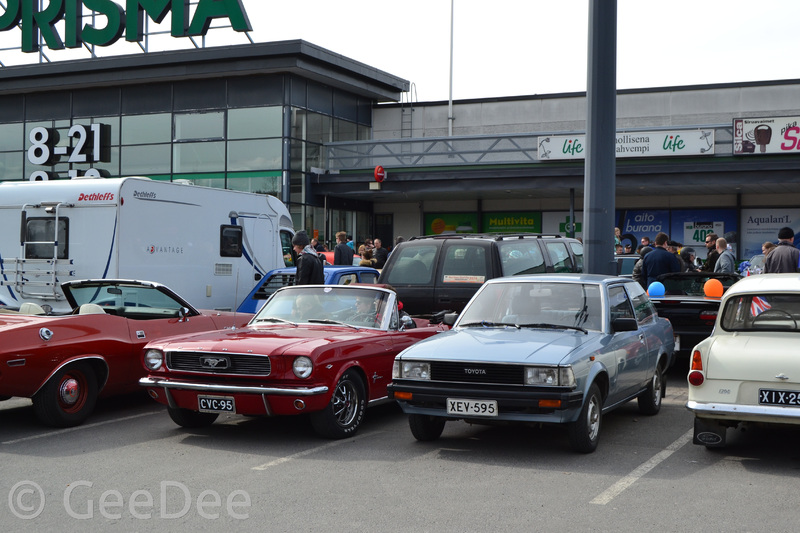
(384, 230)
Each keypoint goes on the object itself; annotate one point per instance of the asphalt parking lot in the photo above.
(129, 467)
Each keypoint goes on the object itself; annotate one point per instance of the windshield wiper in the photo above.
(484, 324)
(275, 319)
(551, 326)
(329, 321)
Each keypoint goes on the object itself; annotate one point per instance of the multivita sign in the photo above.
(633, 144)
(37, 21)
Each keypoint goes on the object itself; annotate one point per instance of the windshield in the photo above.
(760, 312)
(326, 305)
(564, 304)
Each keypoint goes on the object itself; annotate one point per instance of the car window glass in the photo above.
(347, 279)
(521, 257)
(560, 256)
(760, 312)
(642, 305)
(618, 303)
(413, 265)
(464, 263)
(577, 251)
(275, 282)
(369, 277)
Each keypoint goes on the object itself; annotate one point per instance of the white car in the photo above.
(748, 370)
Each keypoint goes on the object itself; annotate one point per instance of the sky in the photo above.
(521, 47)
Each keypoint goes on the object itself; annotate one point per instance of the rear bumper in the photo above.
(745, 413)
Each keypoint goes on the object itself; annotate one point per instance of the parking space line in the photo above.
(286, 459)
(616, 489)
(77, 428)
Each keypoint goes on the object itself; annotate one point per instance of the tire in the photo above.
(68, 398)
(426, 428)
(345, 412)
(584, 433)
(650, 399)
(191, 419)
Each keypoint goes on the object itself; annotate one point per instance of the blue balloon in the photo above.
(656, 289)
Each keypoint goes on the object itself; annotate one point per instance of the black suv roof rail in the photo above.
(493, 236)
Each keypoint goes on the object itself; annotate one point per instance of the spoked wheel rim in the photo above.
(345, 403)
(73, 390)
(657, 388)
(593, 418)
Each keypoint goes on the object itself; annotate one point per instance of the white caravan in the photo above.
(209, 245)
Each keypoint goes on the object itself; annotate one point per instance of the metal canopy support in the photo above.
(600, 173)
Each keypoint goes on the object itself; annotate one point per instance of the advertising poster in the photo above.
(558, 223)
(771, 135)
(762, 225)
(438, 223)
(633, 144)
(513, 222)
(635, 224)
(690, 227)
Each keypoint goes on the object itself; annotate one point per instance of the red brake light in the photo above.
(696, 378)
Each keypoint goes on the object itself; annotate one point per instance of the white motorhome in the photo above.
(209, 245)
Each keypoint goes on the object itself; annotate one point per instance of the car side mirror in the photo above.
(624, 324)
(183, 314)
(406, 322)
(450, 318)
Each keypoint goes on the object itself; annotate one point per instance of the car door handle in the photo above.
(641, 338)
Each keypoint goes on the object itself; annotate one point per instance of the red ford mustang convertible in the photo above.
(326, 350)
(63, 362)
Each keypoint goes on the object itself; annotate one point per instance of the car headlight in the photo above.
(561, 376)
(302, 367)
(153, 359)
(412, 370)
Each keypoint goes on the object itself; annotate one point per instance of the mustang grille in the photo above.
(478, 373)
(219, 363)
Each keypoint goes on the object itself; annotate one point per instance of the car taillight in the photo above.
(696, 376)
(709, 316)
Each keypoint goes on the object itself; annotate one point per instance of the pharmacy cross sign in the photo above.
(36, 21)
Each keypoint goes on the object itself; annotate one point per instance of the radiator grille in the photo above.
(251, 365)
(478, 373)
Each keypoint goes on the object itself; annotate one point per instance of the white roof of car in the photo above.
(763, 283)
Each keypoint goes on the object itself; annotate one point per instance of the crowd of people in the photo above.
(672, 256)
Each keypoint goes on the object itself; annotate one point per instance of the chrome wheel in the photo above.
(345, 403)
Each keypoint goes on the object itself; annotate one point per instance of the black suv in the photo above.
(442, 272)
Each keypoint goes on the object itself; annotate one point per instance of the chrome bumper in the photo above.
(736, 411)
(165, 383)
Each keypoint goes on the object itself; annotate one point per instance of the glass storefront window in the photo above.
(11, 137)
(255, 122)
(344, 130)
(198, 157)
(254, 155)
(145, 160)
(11, 165)
(147, 129)
(196, 126)
(318, 128)
(259, 184)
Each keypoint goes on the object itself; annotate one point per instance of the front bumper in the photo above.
(250, 399)
(514, 403)
(773, 414)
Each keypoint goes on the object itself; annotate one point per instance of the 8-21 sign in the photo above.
(89, 144)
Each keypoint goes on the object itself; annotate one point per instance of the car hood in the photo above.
(268, 340)
(504, 345)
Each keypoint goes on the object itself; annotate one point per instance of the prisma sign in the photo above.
(130, 20)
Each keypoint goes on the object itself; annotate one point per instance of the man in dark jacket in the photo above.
(784, 257)
(711, 253)
(309, 266)
(380, 254)
(342, 254)
(659, 261)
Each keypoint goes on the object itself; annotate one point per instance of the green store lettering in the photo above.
(673, 143)
(572, 147)
(130, 20)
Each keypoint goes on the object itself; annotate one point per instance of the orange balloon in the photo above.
(713, 288)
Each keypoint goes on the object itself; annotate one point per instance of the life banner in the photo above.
(772, 135)
(635, 144)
